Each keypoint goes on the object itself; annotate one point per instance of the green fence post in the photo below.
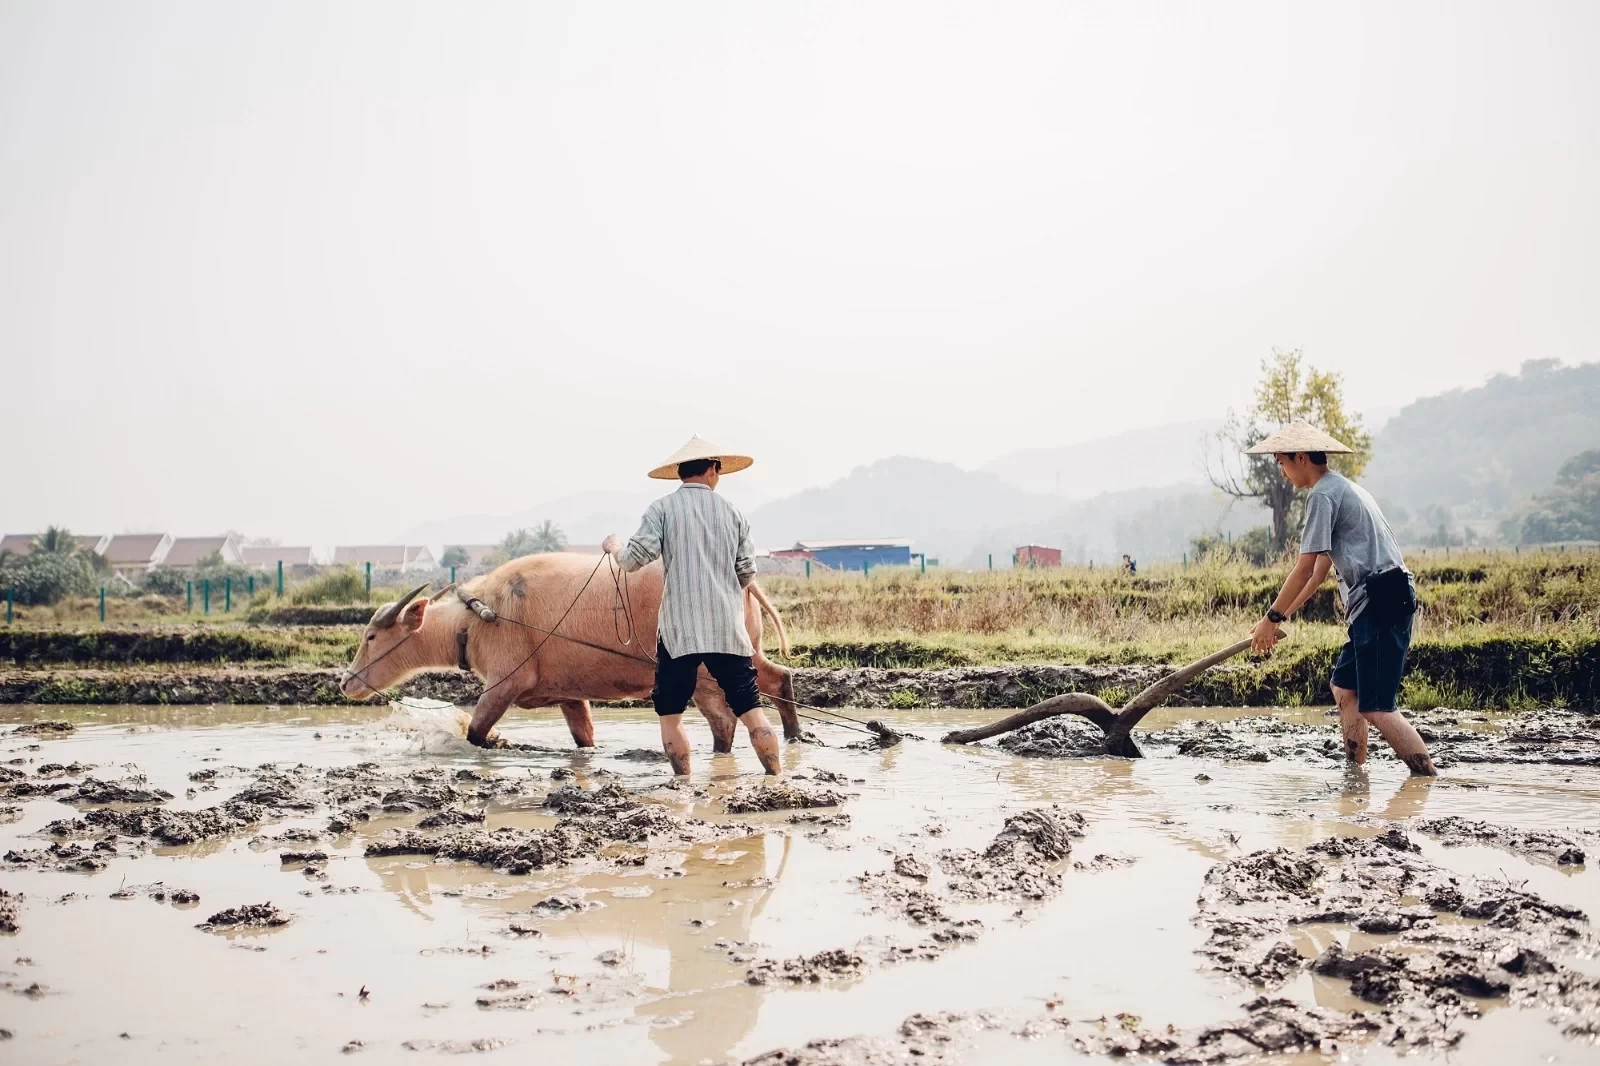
(280, 577)
(227, 594)
(369, 582)
(188, 596)
(863, 568)
(1186, 560)
(205, 587)
(250, 586)
(924, 563)
(808, 569)
(452, 575)
(991, 560)
(102, 603)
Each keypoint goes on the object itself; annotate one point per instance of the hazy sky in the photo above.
(318, 271)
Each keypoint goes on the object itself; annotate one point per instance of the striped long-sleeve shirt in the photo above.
(704, 544)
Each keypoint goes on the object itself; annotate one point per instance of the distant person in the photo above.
(1344, 529)
(704, 544)
(1129, 566)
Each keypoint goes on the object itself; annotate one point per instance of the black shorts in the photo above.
(1373, 659)
(676, 679)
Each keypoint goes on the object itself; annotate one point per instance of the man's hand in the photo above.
(612, 545)
(1265, 636)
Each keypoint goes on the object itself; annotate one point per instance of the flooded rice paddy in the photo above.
(927, 913)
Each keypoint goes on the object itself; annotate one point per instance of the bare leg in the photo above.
(709, 700)
(675, 743)
(579, 722)
(1405, 740)
(764, 739)
(777, 684)
(1351, 724)
(492, 705)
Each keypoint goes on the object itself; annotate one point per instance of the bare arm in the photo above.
(1319, 574)
(1308, 572)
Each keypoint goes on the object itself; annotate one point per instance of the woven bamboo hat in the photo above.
(699, 448)
(1298, 437)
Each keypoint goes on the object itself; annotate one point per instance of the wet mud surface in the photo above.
(400, 893)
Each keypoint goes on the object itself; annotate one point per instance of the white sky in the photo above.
(318, 271)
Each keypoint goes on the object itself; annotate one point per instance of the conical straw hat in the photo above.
(699, 448)
(1298, 437)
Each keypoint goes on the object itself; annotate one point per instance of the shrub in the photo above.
(343, 585)
(43, 578)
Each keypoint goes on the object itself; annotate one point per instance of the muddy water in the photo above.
(133, 980)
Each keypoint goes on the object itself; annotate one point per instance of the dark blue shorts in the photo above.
(676, 680)
(1373, 659)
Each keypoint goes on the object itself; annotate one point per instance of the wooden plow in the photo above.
(1116, 724)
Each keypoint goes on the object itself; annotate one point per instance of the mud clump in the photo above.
(164, 826)
(45, 729)
(1064, 737)
(1020, 862)
(10, 911)
(1549, 847)
(780, 796)
(574, 800)
(95, 791)
(1270, 1026)
(924, 1039)
(807, 969)
(1553, 737)
(250, 916)
(452, 816)
(64, 856)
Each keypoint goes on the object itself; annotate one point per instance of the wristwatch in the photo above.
(1276, 617)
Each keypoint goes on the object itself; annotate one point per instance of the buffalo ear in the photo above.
(411, 617)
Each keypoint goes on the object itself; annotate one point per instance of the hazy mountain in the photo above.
(1140, 458)
(1488, 448)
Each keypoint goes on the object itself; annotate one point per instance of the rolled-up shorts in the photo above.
(1372, 660)
(676, 679)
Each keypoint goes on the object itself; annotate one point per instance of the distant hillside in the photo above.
(1142, 458)
(1487, 448)
(961, 516)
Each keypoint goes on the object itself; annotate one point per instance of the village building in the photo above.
(850, 554)
(401, 557)
(22, 543)
(268, 556)
(1037, 555)
(186, 553)
(131, 554)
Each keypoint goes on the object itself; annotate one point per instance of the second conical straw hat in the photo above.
(699, 448)
(1298, 437)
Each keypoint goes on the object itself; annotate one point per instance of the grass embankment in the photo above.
(1494, 630)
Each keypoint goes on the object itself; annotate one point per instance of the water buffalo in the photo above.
(422, 634)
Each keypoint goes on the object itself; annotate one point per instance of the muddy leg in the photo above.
(719, 716)
(777, 684)
(579, 722)
(1351, 724)
(675, 742)
(492, 705)
(764, 739)
(1405, 740)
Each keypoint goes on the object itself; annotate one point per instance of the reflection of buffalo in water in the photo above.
(525, 665)
(1117, 725)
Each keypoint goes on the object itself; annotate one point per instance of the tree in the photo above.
(547, 538)
(56, 540)
(455, 555)
(1290, 390)
(1571, 509)
(44, 577)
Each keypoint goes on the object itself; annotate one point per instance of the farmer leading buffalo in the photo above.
(1345, 529)
(703, 542)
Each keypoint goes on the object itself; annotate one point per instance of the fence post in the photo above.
(1186, 560)
(205, 586)
(188, 596)
(452, 575)
(369, 582)
(227, 594)
(250, 586)
(991, 560)
(863, 568)
(280, 577)
(924, 563)
(102, 603)
(808, 569)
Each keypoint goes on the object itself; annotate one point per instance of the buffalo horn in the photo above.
(387, 616)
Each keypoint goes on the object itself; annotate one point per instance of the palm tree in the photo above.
(56, 540)
(548, 537)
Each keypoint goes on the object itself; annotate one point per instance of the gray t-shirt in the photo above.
(1343, 520)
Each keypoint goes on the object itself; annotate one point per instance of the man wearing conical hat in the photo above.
(704, 545)
(1345, 529)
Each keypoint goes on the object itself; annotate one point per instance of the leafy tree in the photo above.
(549, 537)
(56, 540)
(455, 555)
(44, 578)
(1571, 509)
(1290, 390)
